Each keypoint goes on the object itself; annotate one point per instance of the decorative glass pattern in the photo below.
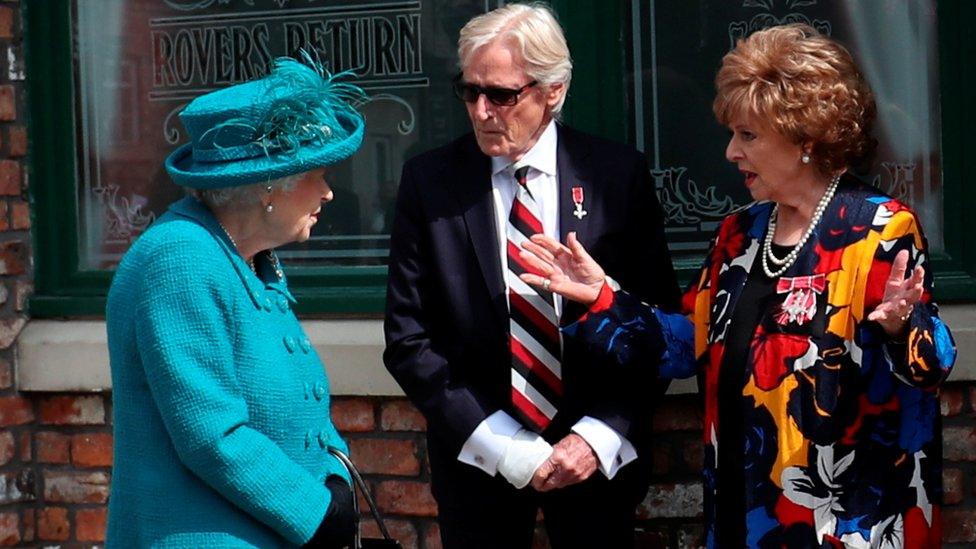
(676, 49)
(139, 62)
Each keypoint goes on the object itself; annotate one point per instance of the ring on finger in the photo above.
(546, 283)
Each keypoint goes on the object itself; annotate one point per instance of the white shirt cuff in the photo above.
(611, 449)
(614, 285)
(524, 456)
(487, 444)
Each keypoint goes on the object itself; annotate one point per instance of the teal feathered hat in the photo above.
(296, 119)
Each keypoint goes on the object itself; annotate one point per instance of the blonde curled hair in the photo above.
(804, 86)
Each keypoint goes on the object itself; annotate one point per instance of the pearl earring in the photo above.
(269, 208)
(805, 158)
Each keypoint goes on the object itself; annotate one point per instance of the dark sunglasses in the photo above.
(503, 97)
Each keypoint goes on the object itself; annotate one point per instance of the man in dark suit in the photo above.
(519, 418)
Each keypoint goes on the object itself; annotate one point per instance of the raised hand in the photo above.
(563, 269)
(901, 295)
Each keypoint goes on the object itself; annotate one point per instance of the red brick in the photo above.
(400, 415)
(8, 98)
(6, 374)
(10, 178)
(72, 410)
(19, 216)
(385, 456)
(959, 525)
(400, 530)
(29, 527)
(53, 447)
(15, 410)
(353, 415)
(952, 486)
(90, 524)
(17, 141)
(8, 448)
(959, 443)
(72, 487)
(12, 257)
(26, 454)
(678, 414)
(4, 223)
(9, 529)
(92, 450)
(53, 524)
(6, 22)
(432, 536)
(951, 400)
(405, 498)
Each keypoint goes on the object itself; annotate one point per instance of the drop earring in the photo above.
(805, 158)
(269, 208)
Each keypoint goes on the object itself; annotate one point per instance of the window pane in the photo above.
(139, 62)
(678, 47)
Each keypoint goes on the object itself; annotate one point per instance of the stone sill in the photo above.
(72, 355)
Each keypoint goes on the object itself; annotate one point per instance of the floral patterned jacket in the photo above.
(842, 427)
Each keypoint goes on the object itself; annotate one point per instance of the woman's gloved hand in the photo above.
(338, 528)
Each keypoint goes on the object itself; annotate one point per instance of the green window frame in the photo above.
(598, 103)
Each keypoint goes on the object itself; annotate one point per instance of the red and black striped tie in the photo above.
(537, 384)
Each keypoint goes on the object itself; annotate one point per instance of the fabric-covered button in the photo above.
(308, 440)
(289, 342)
(308, 390)
(306, 345)
(319, 390)
(267, 304)
(323, 440)
(282, 303)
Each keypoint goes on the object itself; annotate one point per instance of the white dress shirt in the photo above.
(487, 444)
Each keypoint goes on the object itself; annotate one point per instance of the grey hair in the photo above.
(243, 196)
(537, 35)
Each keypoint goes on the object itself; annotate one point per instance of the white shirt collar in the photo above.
(542, 155)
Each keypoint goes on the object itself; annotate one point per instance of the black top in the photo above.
(755, 299)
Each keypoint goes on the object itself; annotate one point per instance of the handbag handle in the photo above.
(358, 480)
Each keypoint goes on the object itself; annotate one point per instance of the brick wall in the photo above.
(56, 453)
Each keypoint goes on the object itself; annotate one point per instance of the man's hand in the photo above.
(572, 461)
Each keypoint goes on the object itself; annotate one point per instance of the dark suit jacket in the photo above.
(446, 314)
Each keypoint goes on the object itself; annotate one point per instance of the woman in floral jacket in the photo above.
(811, 321)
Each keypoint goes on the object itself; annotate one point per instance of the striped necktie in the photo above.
(537, 384)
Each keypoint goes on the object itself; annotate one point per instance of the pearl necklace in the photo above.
(250, 263)
(787, 262)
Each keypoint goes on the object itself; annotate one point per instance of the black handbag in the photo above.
(386, 542)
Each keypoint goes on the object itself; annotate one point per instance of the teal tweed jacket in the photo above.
(220, 403)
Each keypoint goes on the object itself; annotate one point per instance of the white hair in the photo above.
(243, 196)
(536, 34)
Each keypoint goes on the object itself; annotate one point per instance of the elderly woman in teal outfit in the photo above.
(221, 405)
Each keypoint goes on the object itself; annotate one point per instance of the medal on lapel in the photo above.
(578, 202)
(800, 304)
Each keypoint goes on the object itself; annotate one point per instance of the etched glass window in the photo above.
(677, 48)
(139, 62)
